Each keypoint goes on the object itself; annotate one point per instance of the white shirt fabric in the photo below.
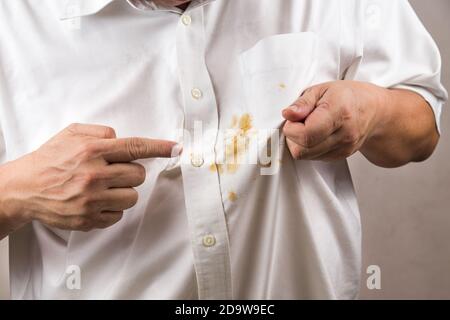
(201, 230)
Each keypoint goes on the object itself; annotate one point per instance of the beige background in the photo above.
(405, 212)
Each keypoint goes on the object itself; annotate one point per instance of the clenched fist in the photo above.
(390, 127)
(332, 121)
(82, 179)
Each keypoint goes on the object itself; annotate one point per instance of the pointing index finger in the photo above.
(131, 149)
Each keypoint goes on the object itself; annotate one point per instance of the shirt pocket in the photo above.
(274, 72)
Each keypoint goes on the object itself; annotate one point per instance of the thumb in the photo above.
(303, 106)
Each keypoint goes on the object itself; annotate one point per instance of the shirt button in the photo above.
(209, 240)
(197, 160)
(196, 93)
(186, 19)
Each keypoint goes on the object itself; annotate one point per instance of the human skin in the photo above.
(174, 3)
(84, 177)
(332, 121)
(81, 179)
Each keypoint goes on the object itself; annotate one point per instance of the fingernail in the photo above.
(176, 150)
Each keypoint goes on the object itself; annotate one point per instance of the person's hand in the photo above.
(333, 120)
(81, 179)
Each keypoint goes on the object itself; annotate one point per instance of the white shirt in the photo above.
(201, 230)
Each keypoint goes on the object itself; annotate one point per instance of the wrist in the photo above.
(382, 101)
(11, 214)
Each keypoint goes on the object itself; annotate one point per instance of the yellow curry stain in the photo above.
(232, 196)
(234, 121)
(245, 123)
(215, 167)
(236, 145)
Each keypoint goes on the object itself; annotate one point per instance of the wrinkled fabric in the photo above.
(201, 229)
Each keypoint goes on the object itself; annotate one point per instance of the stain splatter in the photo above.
(282, 86)
(236, 145)
(245, 123)
(232, 196)
(215, 167)
(233, 150)
(234, 121)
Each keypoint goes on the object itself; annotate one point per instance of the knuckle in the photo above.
(73, 127)
(134, 196)
(336, 123)
(82, 224)
(86, 205)
(350, 138)
(135, 147)
(141, 174)
(347, 112)
(88, 179)
(325, 105)
(88, 150)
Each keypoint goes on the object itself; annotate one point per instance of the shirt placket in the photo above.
(204, 204)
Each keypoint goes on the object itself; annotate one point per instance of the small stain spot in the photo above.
(236, 145)
(232, 196)
(232, 167)
(216, 168)
(234, 121)
(245, 123)
(282, 86)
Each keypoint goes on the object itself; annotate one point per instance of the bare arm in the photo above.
(406, 131)
(81, 179)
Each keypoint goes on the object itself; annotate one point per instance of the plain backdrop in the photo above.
(405, 212)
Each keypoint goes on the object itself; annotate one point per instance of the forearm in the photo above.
(405, 130)
(11, 219)
(8, 225)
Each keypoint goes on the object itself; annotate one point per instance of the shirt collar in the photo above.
(79, 8)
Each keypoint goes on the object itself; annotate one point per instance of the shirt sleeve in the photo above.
(394, 50)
